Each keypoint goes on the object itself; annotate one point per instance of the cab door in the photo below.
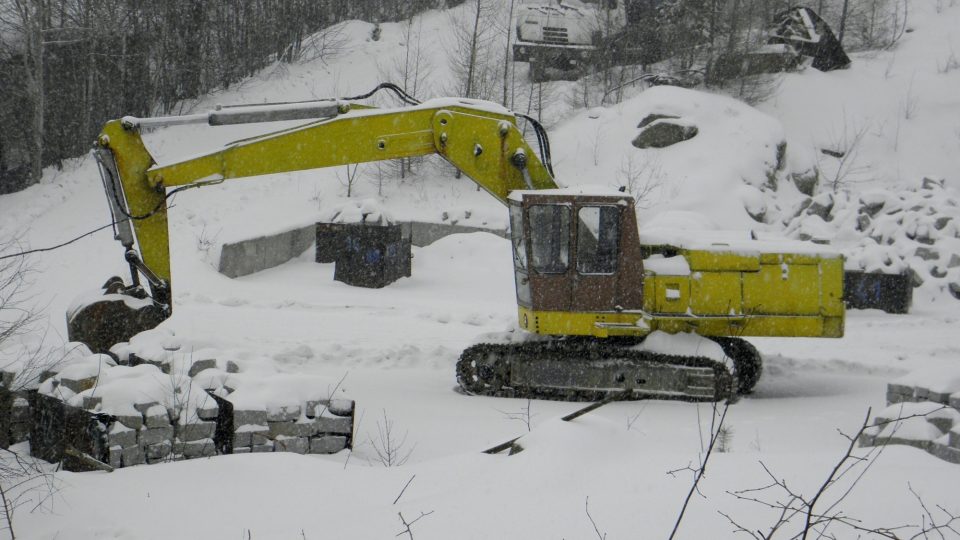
(594, 276)
(549, 263)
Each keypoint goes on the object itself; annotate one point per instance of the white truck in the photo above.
(563, 34)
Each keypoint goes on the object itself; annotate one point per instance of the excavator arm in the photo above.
(479, 138)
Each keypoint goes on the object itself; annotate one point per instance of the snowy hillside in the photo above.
(895, 117)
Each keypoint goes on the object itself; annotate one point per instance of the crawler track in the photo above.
(589, 370)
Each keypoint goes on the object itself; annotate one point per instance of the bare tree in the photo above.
(390, 447)
(819, 518)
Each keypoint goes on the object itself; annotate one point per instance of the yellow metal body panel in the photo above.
(721, 260)
(782, 288)
(474, 139)
(716, 293)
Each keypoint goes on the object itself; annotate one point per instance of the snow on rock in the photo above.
(890, 231)
(735, 145)
(938, 379)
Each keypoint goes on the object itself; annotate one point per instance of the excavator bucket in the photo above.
(112, 315)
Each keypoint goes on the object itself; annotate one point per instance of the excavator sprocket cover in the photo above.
(588, 370)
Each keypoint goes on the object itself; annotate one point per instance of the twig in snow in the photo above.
(404, 489)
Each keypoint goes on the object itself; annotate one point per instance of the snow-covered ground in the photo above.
(397, 346)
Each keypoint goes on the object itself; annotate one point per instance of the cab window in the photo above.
(598, 233)
(549, 238)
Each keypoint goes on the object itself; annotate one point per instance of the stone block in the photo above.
(337, 407)
(200, 365)
(132, 455)
(20, 410)
(946, 453)
(19, 432)
(196, 431)
(954, 438)
(920, 393)
(231, 367)
(242, 417)
(927, 253)
(894, 398)
(283, 413)
(79, 385)
(938, 397)
(156, 417)
(7, 378)
(297, 445)
(241, 449)
(260, 448)
(131, 421)
(91, 403)
(292, 429)
(208, 412)
(327, 444)
(115, 456)
(341, 407)
(159, 451)
(156, 435)
(955, 400)
(336, 425)
(945, 419)
(198, 448)
(142, 408)
(121, 435)
(242, 438)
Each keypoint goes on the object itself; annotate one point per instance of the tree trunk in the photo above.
(471, 66)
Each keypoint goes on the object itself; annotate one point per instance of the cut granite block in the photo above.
(91, 403)
(142, 408)
(283, 413)
(132, 455)
(198, 448)
(156, 435)
(20, 410)
(946, 453)
(196, 431)
(945, 419)
(241, 449)
(156, 417)
(292, 429)
(78, 385)
(19, 432)
(243, 417)
(327, 444)
(297, 445)
(132, 421)
(336, 407)
(159, 451)
(208, 412)
(241, 439)
(121, 435)
(337, 425)
(201, 365)
(260, 448)
(115, 456)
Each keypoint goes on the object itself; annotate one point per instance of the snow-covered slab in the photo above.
(734, 242)
(596, 190)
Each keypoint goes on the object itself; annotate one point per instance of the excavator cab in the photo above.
(574, 254)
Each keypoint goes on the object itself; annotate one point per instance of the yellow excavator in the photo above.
(588, 290)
